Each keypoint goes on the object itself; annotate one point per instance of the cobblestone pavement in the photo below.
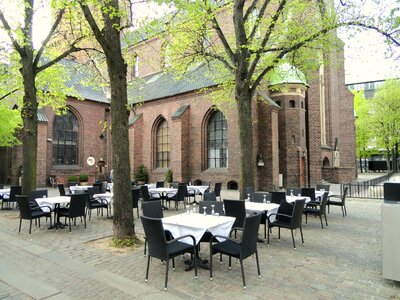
(343, 261)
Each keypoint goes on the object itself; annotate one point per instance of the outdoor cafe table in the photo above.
(54, 203)
(4, 192)
(291, 199)
(74, 188)
(197, 224)
(106, 196)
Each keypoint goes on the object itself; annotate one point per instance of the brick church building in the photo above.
(304, 132)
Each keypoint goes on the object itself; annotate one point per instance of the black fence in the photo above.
(367, 189)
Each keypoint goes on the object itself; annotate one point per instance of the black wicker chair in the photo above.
(237, 209)
(318, 210)
(285, 219)
(278, 197)
(95, 203)
(26, 212)
(179, 196)
(217, 189)
(241, 249)
(340, 202)
(10, 198)
(165, 250)
(135, 199)
(76, 208)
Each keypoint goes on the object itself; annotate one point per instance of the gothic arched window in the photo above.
(217, 141)
(66, 140)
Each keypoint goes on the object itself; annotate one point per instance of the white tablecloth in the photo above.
(73, 188)
(318, 195)
(197, 224)
(4, 192)
(260, 207)
(52, 201)
(197, 189)
(291, 199)
(106, 196)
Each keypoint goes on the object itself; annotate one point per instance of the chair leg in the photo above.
(211, 263)
(84, 221)
(258, 265)
(243, 278)
(69, 224)
(20, 222)
(342, 211)
(269, 229)
(294, 245)
(279, 233)
(30, 226)
(147, 269)
(301, 233)
(166, 275)
(306, 218)
(345, 210)
(326, 220)
(328, 208)
(320, 218)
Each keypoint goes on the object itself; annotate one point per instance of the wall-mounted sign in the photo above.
(90, 161)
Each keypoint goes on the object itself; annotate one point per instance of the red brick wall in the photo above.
(89, 114)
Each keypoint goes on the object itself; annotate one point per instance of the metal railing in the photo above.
(372, 188)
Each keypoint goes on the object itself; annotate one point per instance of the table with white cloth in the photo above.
(4, 192)
(54, 203)
(318, 194)
(269, 208)
(197, 224)
(162, 193)
(74, 188)
(106, 196)
(291, 199)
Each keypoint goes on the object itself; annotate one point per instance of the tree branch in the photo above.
(49, 35)
(93, 25)
(222, 38)
(8, 29)
(267, 35)
(72, 49)
(250, 9)
(9, 93)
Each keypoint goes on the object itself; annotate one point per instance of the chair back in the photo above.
(344, 195)
(297, 213)
(210, 196)
(278, 197)
(37, 194)
(181, 193)
(325, 187)
(250, 234)
(250, 192)
(153, 209)
(259, 197)
(308, 192)
(99, 185)
(159, 184)
(324, 202)
(24, 207)
(285, 208)
(217, 189)
(155, 236)
(295, 191)
(77, 205)
(135, 197)
(14, 190)
(144, 193)
(93, 190)
(61, 189)
(174, 185)
(237, 209)
(218, 207)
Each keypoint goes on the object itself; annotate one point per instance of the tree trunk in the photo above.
(124, 225)
(29, 117)
(245, 126)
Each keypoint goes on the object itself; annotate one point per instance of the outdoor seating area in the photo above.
(321, 248)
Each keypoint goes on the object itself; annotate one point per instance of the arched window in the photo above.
(217, 141)
(163, 146)
(292, 103)
(65, 140)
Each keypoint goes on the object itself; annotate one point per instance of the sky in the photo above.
(366, 57)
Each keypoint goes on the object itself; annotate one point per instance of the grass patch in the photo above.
(133, 242)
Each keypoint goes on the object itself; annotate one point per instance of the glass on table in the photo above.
(194, 208)
(212, 210)
(205, 210)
